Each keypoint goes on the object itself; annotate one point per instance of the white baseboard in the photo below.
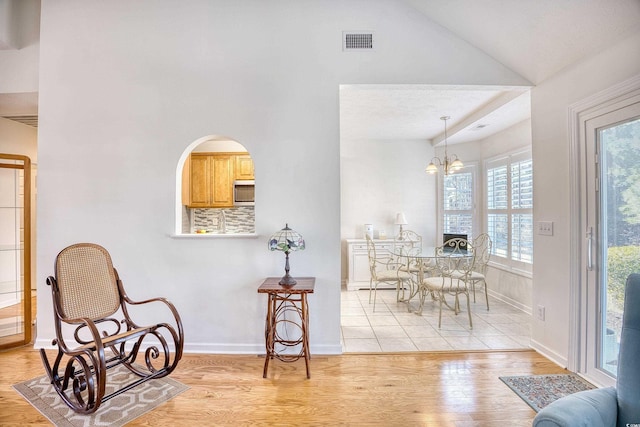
(511, 302)
(549, 354)
(354, 286)
(204, 348)
(210, 348)
(43, 343)
(213, 348)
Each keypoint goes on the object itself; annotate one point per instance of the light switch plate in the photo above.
(545, 228)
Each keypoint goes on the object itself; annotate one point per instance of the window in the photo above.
(510, 208)
(458, 194)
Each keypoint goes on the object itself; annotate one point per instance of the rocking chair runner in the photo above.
(87, 292)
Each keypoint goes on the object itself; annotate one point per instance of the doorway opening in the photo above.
(388, 134)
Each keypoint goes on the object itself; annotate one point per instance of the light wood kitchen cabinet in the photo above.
(200, 182)
(222, 182)
(210, 180)
(243, 167)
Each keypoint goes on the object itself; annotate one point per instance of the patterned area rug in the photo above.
(540, 390)
(114, 412)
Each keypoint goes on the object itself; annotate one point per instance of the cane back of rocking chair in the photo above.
(87, 286)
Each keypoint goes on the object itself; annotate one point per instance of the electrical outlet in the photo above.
(545, 228)
(541, 312)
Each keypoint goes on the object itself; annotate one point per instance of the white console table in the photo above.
(358, 274)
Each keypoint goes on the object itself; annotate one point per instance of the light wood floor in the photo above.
(15, 312)
(402, 389)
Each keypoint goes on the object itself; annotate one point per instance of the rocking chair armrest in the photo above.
(95, 334)
(168, 303)
(132, 302)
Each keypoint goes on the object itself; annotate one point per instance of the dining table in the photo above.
(423, 261)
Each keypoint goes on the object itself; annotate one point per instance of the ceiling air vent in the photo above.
(357, 40)
(25, 120)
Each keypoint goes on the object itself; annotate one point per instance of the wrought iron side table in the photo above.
(287, 311)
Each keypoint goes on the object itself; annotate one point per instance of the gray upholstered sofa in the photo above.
(613, 406)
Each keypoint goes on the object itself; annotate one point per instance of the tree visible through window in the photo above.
(510, 207)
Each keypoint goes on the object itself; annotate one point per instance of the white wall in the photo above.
(19, 47)
(550, 105)
(514, 138)
(18, 138)
(126, 87)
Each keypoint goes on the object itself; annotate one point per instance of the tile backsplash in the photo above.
(240, 219)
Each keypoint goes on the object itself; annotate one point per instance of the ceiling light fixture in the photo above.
(449, 164)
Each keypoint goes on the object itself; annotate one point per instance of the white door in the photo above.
(611, 195)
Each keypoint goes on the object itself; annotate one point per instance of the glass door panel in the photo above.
(15, 262)
(619, 213)
(611, 191)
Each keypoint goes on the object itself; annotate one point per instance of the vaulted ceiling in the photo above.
(534, 38)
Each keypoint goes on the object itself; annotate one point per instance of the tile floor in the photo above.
(392, 328)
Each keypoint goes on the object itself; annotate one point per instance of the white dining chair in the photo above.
(384, 270)
(408, 243)
(454, 264)
(482, 251)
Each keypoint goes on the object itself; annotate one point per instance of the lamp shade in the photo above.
(400, 219)
(432, 168)
(456, 165)
(286, 240)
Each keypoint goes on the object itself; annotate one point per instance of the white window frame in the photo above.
(507, 262)
(471, 167)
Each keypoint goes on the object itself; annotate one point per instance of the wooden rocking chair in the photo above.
(88, 295)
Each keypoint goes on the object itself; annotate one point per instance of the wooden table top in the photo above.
(271, 285)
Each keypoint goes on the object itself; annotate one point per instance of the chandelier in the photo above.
(449, 164)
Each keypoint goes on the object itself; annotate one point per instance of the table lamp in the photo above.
(286, 240)
(400, 220)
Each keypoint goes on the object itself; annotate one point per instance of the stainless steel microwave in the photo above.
(244, 192)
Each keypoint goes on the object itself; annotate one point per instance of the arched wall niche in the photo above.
(214, 181)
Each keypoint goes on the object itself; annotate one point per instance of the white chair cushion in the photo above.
(392, 275)
(410, 269)
(435, 283)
